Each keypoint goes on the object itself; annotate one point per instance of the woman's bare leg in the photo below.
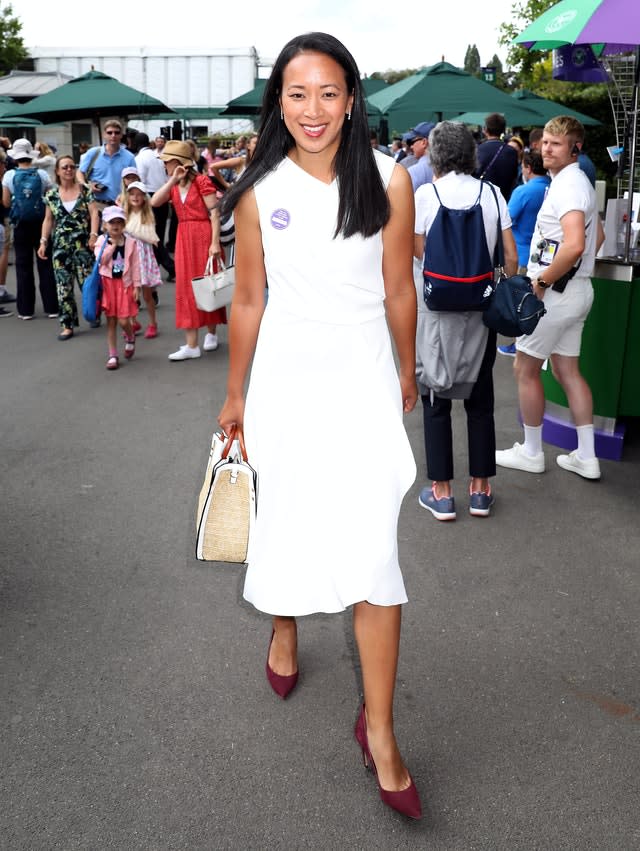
(283, 656)
(377, 632)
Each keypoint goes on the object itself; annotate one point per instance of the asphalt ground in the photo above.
(135, 712)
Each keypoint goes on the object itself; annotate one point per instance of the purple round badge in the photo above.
(280, 219)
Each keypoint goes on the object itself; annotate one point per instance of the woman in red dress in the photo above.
(194, 201)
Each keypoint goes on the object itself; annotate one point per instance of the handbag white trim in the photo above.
(227, 504)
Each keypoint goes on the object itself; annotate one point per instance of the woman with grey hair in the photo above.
(455, 350)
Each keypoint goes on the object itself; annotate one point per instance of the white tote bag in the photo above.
(214, 290)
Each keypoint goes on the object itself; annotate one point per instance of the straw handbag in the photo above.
(227, 502)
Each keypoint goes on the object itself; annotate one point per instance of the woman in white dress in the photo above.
(328, 223)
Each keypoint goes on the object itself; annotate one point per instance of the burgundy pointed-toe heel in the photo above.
(407, 801)
(283, 686)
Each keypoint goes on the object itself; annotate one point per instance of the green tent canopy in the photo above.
(6, 107)
(247, 105)
(93, 95)
(443, 91)
(371, 85)
(548, 109)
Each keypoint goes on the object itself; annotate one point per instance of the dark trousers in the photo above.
(481, 433)
(162, 255)
(26, 241)
(173, 231)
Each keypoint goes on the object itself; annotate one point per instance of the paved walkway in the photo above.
(135, 712)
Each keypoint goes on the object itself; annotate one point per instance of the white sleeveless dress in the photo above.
(323, 419)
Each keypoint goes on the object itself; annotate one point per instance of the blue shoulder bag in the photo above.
(514, 309)
(92, 289)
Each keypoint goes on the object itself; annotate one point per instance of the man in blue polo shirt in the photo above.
(102, 166)
(421, 172)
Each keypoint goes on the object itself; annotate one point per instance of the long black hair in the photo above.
(364, 206)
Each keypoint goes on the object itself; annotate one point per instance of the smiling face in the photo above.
(314, 101)
(136, 198)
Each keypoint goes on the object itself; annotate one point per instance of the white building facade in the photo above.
(194, 82)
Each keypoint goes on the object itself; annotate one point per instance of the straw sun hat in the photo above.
(180, 151)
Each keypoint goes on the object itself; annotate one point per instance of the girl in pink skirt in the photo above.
(120, 275)
(141, 226)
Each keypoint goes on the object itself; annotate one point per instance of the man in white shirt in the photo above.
(564, 245)
(153, 174)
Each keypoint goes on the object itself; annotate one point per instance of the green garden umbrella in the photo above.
(544, 110)
(548, 109)
(93, 95)
(6, 106)
(247, 105)
(444, 91)
(371, 85)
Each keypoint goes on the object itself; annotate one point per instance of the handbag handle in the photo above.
(235, 433)
(208, 269)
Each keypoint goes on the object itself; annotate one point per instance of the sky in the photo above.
(380, 35)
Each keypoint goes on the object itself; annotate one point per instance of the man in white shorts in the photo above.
(564, 244)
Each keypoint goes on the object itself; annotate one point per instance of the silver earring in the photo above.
(349, 115)
(281, 114)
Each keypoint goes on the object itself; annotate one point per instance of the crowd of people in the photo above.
(163, 192)
(455, 352)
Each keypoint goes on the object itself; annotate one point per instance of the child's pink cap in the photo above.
(111, 213)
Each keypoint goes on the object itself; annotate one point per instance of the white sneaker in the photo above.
(588, 468)
(516, 459)
(185, 353)
(210, 342)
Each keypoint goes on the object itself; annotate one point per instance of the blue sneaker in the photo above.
(480, 503)
(442, 508)
(509, 351)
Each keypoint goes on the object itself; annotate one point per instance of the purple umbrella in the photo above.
(610, 26)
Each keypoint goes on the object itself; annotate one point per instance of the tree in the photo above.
(472, 63)
(390, 76)
(12, 49)
(497, 64)
(519, 59)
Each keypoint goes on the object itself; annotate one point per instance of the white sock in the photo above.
(532, 440)
(586, 447)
